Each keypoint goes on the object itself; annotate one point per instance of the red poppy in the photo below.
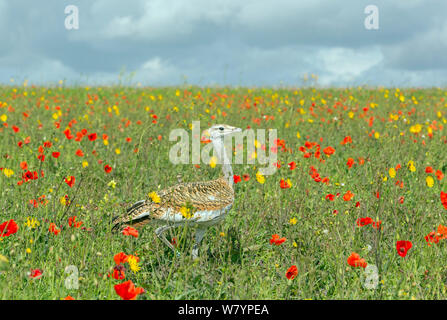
(361, 222)
(129, 231)
(246, 177)
(435, 236)
(69, 298)
(329, 151)
(118, 272)
(277, 240)
(8, 228)
(120, 258)
(330, 197)
(92, 136)
(348, 196)
(28, 176)
(53, 229)
(237, 179)
(79, 153)
(350, 163)
(56, 154)
(204, 140)
(35, 273)
(431, 238)
(429, 170)
(403, 247)
(79, 136)
(377, 224)
(107, 168)
(127, 290)
(68, 134)
(24, 165)
(70, 181)
(442, 232)
(444, 199)
(292, 165)
(346, 140)
(284, 184)
(354, 260)
(292, 272)
(439, 174)
(72, 222)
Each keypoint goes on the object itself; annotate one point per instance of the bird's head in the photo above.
(218, 131)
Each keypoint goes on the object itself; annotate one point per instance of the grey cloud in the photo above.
(226, 42)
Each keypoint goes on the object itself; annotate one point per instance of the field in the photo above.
(362, 169)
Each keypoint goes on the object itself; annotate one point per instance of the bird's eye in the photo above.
(221, 128)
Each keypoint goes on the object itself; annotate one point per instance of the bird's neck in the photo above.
(226, 164)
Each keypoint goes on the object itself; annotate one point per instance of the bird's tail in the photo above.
(116, 223)
(126, 219)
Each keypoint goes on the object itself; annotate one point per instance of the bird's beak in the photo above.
(233, 131)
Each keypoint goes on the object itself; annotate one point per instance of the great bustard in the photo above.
(206, 203)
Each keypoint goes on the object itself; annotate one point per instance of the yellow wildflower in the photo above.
(213, 162)
(430, 181)
(416, 128)
(186, 212)
(32, 223)
(112, 184)
(133, 263)
(260, 177)
(411, 166)
(392, 172)
(154, 197)
(8, 172)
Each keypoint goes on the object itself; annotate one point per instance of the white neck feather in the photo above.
(222, 155)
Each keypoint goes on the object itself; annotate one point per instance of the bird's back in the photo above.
(195, 201)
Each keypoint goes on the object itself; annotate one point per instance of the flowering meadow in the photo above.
(357, 208)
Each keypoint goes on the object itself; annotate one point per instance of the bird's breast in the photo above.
(199, 217)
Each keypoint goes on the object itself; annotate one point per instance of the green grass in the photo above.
(236, 259)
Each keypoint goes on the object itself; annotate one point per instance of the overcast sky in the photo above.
(225, 42)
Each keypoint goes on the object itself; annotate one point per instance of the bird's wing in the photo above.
(198, 196)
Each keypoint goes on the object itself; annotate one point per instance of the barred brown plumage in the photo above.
(201, 203)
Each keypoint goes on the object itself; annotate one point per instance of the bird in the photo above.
(203, 204)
